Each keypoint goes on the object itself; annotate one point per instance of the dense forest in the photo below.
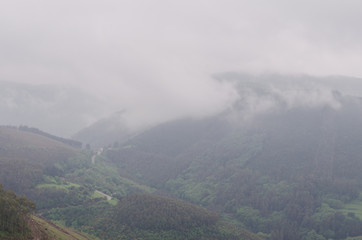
(149, 216)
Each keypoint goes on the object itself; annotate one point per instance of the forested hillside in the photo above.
(17, 221)
(288, 172)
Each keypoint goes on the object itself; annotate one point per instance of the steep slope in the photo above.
(43, 229)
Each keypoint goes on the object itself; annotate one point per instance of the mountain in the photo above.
(284, 160)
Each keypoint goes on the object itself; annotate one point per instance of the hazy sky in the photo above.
(156, 57)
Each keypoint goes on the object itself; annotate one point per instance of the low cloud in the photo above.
(262, 94)
(155, 58)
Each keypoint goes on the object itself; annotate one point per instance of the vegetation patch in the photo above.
(113, 201)
(354, 207)
(147, 211)
(97, 195)
(65, 185)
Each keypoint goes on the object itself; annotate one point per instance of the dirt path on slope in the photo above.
(41, 230)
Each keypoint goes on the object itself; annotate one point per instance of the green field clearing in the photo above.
(113, 202)
(66, 185)
(97, 195)
(353, 207)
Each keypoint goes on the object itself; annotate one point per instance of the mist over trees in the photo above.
(181, 120)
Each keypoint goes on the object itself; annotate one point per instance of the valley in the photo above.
(180, 120)
(291, 173)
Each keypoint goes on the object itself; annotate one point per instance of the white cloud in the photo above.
(155, 58)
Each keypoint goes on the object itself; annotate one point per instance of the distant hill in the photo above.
(105, 132)
(59, 110)
(69, 142)
(25, 156)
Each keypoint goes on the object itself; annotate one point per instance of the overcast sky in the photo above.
(157, 56)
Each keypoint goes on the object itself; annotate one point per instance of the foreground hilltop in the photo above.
(17, 221)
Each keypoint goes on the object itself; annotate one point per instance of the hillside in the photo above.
(160, 217)
(158, 212)
(284, 162)
(17, 221)
(26, 156)
(68, 186)
(151, 216)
